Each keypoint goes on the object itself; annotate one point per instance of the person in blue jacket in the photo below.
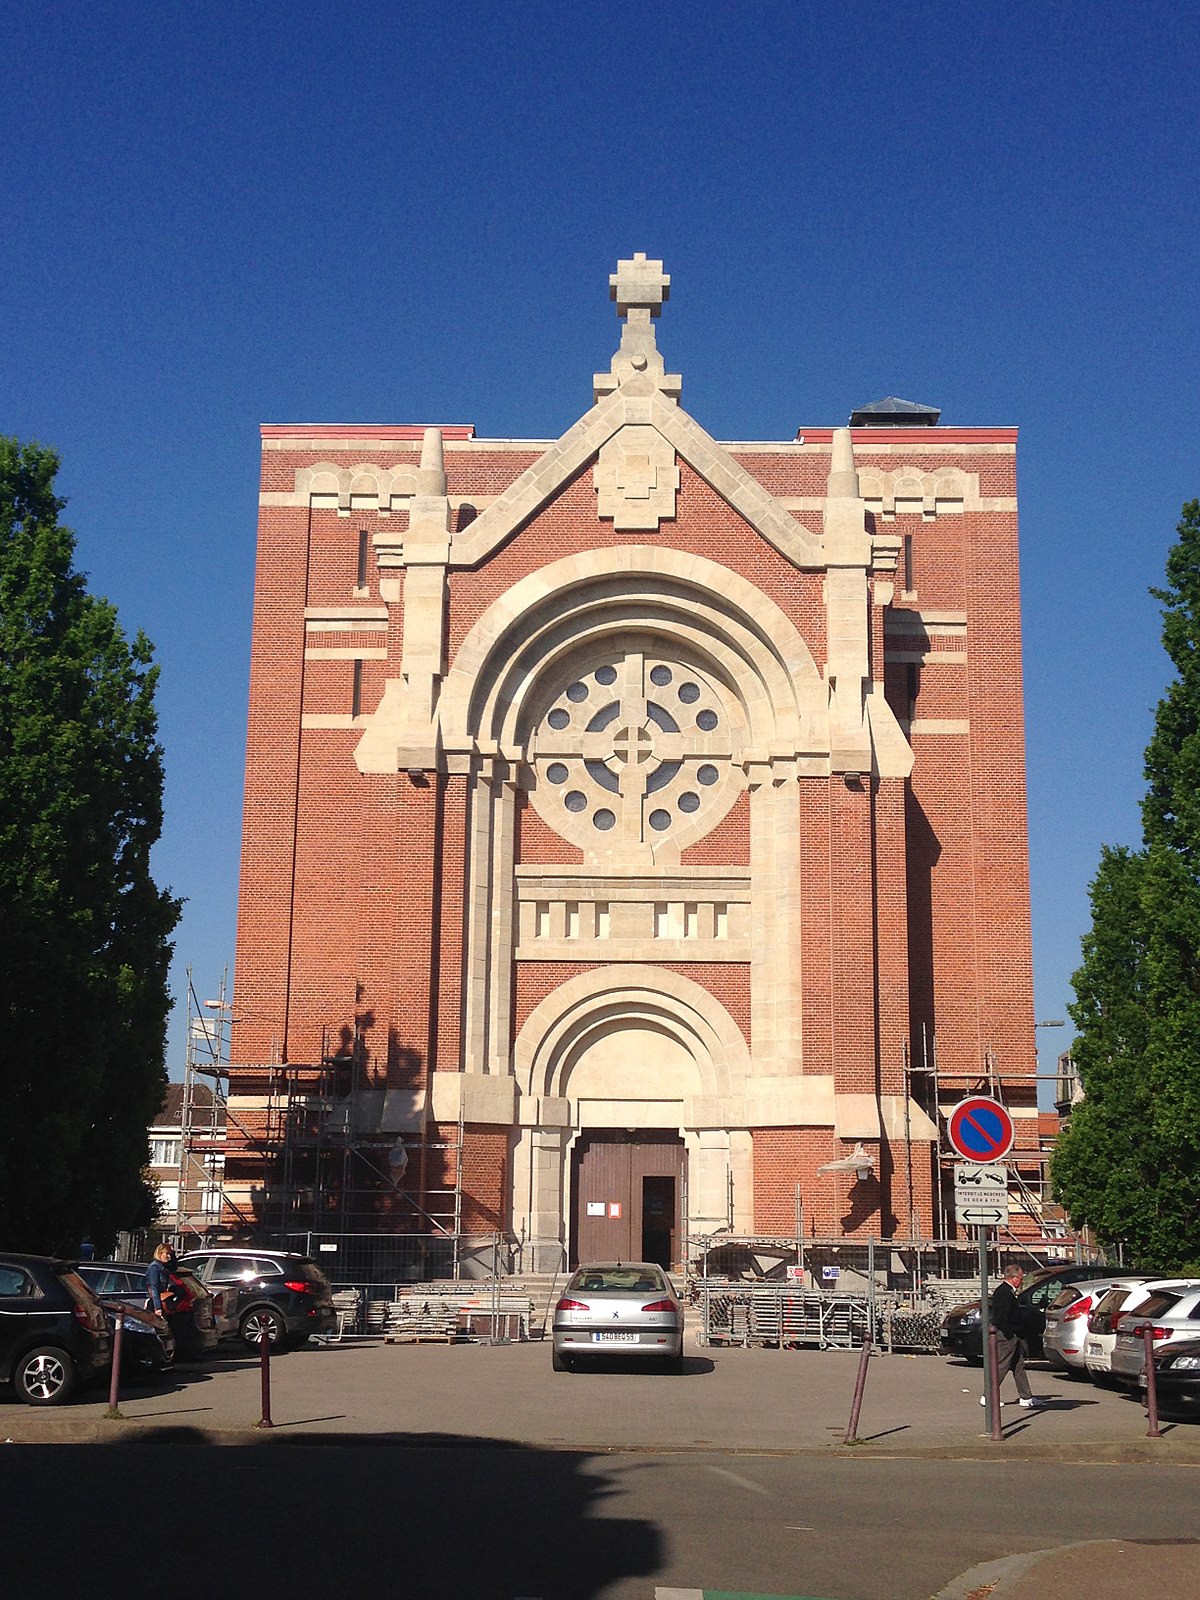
(158, 1279)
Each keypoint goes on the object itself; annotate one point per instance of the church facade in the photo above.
(635, 839)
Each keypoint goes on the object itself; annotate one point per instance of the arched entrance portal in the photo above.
(627, 1189)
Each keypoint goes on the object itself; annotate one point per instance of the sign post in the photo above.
(980, 1130)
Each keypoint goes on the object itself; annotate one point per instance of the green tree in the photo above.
(84, 932)
(1129, 1163)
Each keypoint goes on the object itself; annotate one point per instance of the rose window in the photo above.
(637, 752)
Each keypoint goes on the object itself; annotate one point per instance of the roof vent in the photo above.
(895, 413)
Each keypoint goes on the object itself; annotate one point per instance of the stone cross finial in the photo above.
(641, 288)
(639, 283)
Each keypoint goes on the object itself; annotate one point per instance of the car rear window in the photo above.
(1113, 1300)
(617, 1280)
(1158, 1304)
(77, 1289)
(1065, 1297)
(310, 1272)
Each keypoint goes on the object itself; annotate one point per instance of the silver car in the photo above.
(618, 1308)
(1170, 1313)
(1064, 1339)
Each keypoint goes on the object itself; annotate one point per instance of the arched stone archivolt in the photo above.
(563, 1025)
(525, 636)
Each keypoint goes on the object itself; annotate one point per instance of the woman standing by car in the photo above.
(158, 1279)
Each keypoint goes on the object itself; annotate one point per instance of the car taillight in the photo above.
(299, 1286)
(1079, 1308)
(660, 1305)
(571, 1305)
(1139, 1331)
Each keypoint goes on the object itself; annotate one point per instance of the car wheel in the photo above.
(44, 1377)
(560, 1363)
(263, 1322)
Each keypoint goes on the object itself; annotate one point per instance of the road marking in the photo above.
(744, 1483)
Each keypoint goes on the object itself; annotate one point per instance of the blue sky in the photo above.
(215, 217)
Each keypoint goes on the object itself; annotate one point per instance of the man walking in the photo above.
(1007, 1315)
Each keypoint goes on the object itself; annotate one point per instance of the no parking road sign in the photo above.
(980, 1129)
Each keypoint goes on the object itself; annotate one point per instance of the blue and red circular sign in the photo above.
(980, 1129)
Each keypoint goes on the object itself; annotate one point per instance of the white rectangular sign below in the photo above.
(980, 1215)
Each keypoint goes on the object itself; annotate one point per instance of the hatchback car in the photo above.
(618, 1309)
(53, 1331)
(961, 1333)
(190, 1319)
(281, 1296)
(1169, 1314)
(1125, 1296)
(1065, 1336)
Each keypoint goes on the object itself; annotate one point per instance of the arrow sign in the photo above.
(980, 1129)
(982, 1216)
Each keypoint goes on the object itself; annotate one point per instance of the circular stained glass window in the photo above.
(604, 819)
(577, 692)
(689, 693)
(558, 718)
(661, 676)
(556, 772)
(689, 802)
(576, 800)
(707, 775)
(705, 720)
(660, 821)
(606, 675)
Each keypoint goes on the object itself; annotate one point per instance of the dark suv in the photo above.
(962, 1332)
(53, 1331)
(282, 1297)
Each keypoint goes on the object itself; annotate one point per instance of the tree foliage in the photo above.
(1129, 1163)
(84, 932)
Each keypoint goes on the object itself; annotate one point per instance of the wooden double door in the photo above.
(627, 1196)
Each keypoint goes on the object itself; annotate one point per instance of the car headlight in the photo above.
(1184, 1364)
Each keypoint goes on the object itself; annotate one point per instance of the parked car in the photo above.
(281, 1296)
(960, 1331)
(191, 1320)
(618, 1309)
(53, 1331)
(1169, 1314)
(1177, 1374)
(1065, 1336)
(147, 1343)
(1102, 1332)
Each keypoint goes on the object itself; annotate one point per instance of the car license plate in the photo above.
(614, 1338)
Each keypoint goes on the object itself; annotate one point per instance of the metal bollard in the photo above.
(993, 1388)
(1153, 1431)
(114, 1382)
(264, 1350)
(851, 1435)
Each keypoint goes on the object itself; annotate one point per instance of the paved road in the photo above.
(474, 1471)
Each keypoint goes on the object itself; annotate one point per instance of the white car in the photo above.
(1170, 1312)
(1102, 1323)
(1065, 1335)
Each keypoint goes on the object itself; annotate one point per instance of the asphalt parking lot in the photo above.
(791, 1401)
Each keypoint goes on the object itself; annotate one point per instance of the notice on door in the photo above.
(614, 1208)
(595, 1208)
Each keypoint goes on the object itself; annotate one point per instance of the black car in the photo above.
(283, 1297)
(1177, 1375)
(147, 1343)
(191, 1320)
(961, 1333)
(53, 1331)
